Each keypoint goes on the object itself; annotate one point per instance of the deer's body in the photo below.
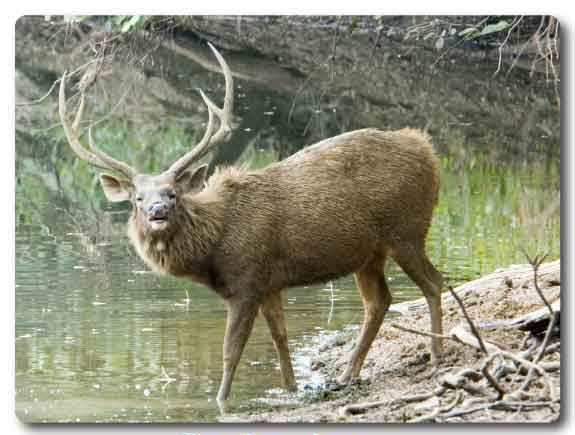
(318, 215)
(344, 205)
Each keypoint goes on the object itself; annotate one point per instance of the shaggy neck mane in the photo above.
(184, 248)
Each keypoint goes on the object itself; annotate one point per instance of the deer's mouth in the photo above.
(158, 222)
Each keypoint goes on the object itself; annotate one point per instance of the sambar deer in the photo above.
(344, 205)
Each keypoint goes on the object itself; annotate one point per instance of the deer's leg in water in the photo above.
(370, 280)
(273, 312)
(414, 262)
(240, 321)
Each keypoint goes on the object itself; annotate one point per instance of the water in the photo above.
(101, 339)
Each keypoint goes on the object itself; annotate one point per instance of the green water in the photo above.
(101, 339)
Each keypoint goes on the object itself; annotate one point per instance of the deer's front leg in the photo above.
(241, 315)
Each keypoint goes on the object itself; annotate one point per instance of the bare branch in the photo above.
(504, 43)
(535, 263)
(424, 333)
(469, 321)
(47, 94)
(492, 381)
(360, 408)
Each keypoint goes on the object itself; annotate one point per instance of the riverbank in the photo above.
(398, 384)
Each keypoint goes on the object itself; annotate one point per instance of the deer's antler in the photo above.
(224, 114)
(95, 156)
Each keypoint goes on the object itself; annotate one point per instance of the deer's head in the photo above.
(154, 197)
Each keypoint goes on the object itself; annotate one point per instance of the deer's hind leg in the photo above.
(371, 283)
(414, 262)
(272, 310)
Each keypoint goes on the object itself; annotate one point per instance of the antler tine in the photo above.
(224, 114)
(97, 157)
(229, 98)
(201, 148)
(79, 113)
(70, 131)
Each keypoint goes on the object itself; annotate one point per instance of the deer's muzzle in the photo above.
(158, 215)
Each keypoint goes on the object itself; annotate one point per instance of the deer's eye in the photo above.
(172, 195)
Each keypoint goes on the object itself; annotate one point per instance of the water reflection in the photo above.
(126, 345)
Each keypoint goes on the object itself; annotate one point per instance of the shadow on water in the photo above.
(100, 338)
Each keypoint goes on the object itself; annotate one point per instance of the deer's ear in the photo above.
(190, 182)
(116, 189)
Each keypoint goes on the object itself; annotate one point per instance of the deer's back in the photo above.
(324, 211)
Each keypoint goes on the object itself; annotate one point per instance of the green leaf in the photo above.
(119, 19)
(439, 43)
(354, 24)
(468, 31)
(492, 28)
(72, 18)
(132, 23)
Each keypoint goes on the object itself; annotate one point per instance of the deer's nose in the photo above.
(158, 210)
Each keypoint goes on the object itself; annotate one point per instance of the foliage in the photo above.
(476, 32)
(128, 23)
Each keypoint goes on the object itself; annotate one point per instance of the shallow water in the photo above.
(101, 339)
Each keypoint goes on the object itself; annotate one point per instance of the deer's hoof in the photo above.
(222, 405)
